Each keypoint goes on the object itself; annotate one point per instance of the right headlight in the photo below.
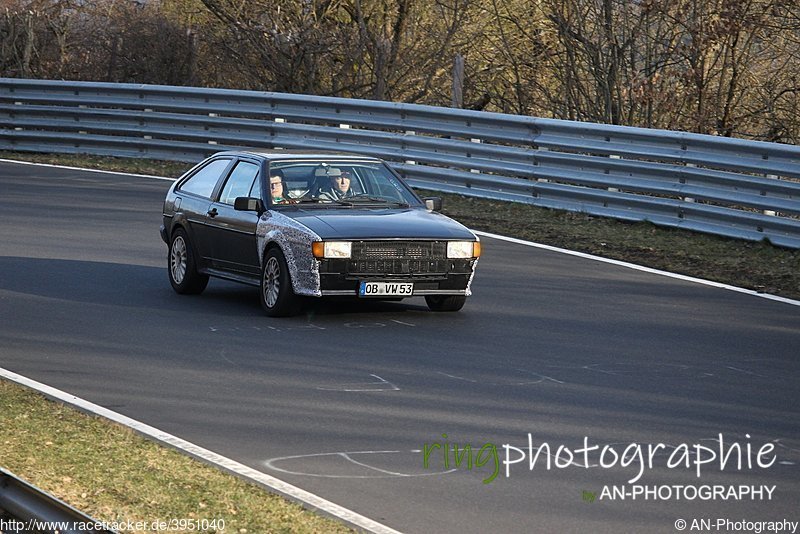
(463, 249)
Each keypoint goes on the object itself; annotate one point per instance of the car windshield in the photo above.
(347, 183)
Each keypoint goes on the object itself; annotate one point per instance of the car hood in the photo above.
(357, 223)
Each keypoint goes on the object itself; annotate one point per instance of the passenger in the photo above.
(277, 187)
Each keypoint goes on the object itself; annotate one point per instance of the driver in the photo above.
(338, 187)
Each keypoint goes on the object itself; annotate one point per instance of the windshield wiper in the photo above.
(323, 201)
(364, 198)
(367, 196)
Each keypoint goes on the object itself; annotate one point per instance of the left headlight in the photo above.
(331, 249)
(463, 249)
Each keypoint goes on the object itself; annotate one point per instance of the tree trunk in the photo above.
(458, 81)
(27, 53)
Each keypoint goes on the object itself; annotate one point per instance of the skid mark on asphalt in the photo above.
(745, 371)
(791, 450)
(678, 371)
(222, 355)
(513, 380)
(310, 326)
(525, 377)
(625, 369)
(454, 377)
(363, 469)
(542, 378)
(378, 384)
(240, 329)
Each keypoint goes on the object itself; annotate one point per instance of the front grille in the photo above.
(372, 267)
(399, 250)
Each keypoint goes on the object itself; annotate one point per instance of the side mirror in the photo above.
(433, 203)
(248, 204)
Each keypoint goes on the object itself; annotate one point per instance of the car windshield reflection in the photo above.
(337, 183)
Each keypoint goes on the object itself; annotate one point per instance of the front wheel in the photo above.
(277, 296)
(445, 303)
(181, 266)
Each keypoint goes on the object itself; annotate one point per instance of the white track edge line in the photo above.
(511, 240)
(639, 268)
(208, 456)
(66, 167)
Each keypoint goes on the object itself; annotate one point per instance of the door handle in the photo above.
(212, 212)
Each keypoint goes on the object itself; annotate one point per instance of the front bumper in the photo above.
(439, 277)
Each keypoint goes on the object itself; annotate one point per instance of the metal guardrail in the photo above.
(730, 187)
(32, 510)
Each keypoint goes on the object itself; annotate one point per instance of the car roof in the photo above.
(270, 155)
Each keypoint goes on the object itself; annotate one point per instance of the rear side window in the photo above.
(241, 183)
(202, 183)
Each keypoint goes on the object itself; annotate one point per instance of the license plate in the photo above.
(386, 289)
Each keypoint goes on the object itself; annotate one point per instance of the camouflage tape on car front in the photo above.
(295, 240)
(468, 292)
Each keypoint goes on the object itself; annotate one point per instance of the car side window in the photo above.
(241, 183)
(202, 183)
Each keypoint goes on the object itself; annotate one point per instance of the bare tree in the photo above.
(726, 67)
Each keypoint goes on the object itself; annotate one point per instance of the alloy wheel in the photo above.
(178, 261)
(272, 283)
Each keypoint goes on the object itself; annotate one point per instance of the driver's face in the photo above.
(341, 183)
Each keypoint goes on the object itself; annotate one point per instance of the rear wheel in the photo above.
(181, 266)
(277, 296)
(445, 303)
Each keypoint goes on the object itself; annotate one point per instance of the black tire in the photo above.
(181, 266)
(445, 303)
(276, 294)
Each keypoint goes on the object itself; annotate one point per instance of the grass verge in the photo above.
(113, 474)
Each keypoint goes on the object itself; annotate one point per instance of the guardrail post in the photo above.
(410, 161)
(474, 140)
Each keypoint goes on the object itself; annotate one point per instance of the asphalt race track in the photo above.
(341, 400)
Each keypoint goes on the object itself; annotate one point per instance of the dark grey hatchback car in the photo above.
(314, 225)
